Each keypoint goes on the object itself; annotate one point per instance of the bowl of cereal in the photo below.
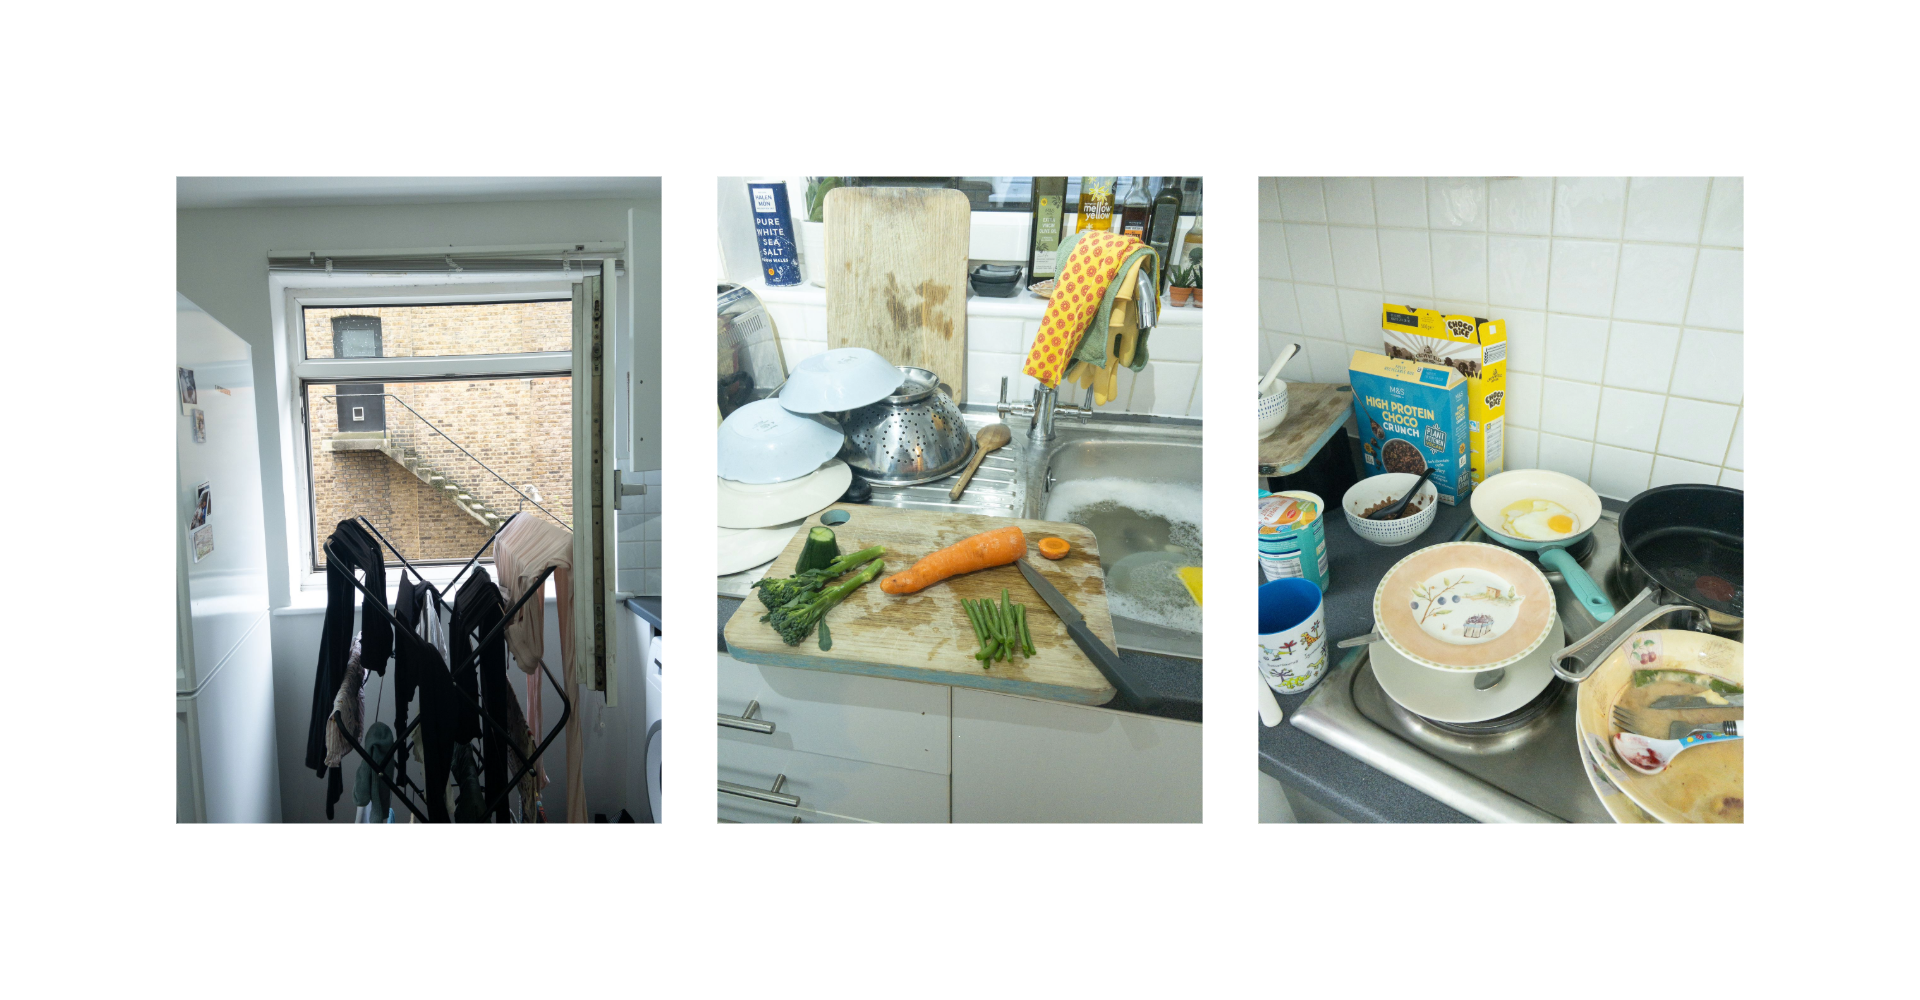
(1384, 490)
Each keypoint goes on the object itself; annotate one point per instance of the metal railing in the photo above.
(404, 439)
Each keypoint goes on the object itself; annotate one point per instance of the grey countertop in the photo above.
(648, 608)
(1327, 775)
(1174, 679)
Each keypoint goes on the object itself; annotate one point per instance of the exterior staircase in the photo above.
(410, 459)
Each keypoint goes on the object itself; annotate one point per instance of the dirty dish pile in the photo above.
(1663, 677)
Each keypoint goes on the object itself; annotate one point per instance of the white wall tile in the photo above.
(1717, 287)
(1457, 202)
(1299, 369)
(1520, 205)
(1630, 419)
(1164, 387)
(1273, 251)
(1517, 271)
(1732, 478)
(1709, 365)
(1175, 343)
(1640, 356)
(650, 531)
(994, 334)
(1406, 262)
(1400, 201)
(1736, 458)
(984, 372)
(1576, 347)
(796, 351)
(1696, 431)
(1331, 360)
(1460, 266)
(1360, 319)
(1726, 214)
(1566, 455)
(1270, 199)
(1523, 448)
(1653, 281)
(1589, 206)
(1356, 257)
(1581, 277)
(1666, 209)
(1301, 200)
(1523, 399)
(1668, 470)
(1277, 311)
(1526, 339)
(1319, 311)
(1349, 200)
(1308, 253)
(1619, 473)
(1569, 408)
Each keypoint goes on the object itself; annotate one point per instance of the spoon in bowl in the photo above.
(1273, 371)
(1388, 512)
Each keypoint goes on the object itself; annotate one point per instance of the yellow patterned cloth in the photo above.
(1077, 292)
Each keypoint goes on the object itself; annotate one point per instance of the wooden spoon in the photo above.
(991, 437)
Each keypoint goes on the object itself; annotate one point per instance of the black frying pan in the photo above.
(1680, 552)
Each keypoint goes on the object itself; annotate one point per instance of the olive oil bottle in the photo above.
(1043, 244)
(1164, 224)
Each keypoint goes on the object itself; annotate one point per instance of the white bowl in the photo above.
(764, 442)
(1273, 409)
(841, 379)
(1390, 486)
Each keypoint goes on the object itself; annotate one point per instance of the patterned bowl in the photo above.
(1390, 486)
(1273, 409)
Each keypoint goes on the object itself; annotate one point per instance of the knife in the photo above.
(1116, 672)
(1675, 702)
(1679, 730)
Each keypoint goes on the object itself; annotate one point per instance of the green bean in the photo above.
(979, 637)
(1026, 637)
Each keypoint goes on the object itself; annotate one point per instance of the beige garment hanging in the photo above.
(525, 547)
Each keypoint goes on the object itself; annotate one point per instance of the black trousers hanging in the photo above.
(355, 549)
(476, 610)
(406, 609)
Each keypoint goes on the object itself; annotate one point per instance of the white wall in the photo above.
(1622, 298)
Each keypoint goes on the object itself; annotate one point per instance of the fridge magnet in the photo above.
(202, 538)
(199, 426)
(188, 394)
(202, 505)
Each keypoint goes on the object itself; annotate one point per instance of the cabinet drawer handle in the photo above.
(772, 795)
(746, 720)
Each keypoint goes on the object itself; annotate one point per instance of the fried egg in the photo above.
(1539, 520)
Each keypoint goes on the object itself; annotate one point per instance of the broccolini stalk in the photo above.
(777, 592)
(794, 621)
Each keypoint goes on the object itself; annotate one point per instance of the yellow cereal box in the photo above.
(1474, 347)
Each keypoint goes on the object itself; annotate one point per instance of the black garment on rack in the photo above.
(476, 610)
(445, 719)
(358, 550)
(406, 608)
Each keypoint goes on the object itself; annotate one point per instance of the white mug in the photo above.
(1293, 635)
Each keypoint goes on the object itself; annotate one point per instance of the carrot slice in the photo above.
(982, 551)
(1054, 548)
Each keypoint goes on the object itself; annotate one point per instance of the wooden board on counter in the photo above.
(926, 636)
(1315, 410)
(897, 266)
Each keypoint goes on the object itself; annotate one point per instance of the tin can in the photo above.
(773, 231)
(1293, 536)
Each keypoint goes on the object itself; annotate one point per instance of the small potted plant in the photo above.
(1186, 280)
(813, 232)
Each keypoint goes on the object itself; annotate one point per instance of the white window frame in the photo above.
(292, 292)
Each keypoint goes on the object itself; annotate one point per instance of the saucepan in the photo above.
(1681, 549)
(1491, 499)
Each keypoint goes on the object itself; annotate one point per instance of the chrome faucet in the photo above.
(1041, 413)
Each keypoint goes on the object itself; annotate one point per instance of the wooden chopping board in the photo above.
(926, 636)
(898, 257)
(1315, 410)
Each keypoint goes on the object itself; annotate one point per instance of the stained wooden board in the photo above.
(1315, 410)
(898, 260)
(926, 636)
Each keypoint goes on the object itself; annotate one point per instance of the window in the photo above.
(440, 458)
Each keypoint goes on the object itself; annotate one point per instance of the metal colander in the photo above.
(916, 435)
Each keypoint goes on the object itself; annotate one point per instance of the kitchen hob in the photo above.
(1524, 767)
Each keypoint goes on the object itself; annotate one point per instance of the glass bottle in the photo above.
(1164, 223)
(1096, 204)
(1135, 210)
(1043, 243)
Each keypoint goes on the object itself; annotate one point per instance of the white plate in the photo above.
(745, 548)
(1449, 695)
(844, 378)
(764, 442)
(746, 505)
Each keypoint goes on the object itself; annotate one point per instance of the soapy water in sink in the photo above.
(1147, 530)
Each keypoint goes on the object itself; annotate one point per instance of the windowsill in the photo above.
(1020, 305)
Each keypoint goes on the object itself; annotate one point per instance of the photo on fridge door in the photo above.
(450, 614)
(1500, 532)
(958, 516)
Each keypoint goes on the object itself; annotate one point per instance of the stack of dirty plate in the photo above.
(777, 456)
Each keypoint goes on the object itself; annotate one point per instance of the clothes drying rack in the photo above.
(400, 743)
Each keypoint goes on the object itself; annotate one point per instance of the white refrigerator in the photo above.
(223, 683)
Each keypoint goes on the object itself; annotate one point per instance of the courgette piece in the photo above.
(821, 549)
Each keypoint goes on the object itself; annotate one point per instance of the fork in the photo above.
(1650, 755)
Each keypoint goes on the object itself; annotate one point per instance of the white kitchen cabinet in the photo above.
(899, 724)
(830, 789)
(1027, 760)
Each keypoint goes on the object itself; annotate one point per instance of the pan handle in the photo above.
(1591, 596)
(1577, 661)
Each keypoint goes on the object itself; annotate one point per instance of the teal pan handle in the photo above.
(1588, 592)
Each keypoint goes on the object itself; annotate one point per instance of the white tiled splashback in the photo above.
(637, 559)
(999, 333)
(1622, 298)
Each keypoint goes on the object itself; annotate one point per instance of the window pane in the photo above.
(433, 331)
(393, 453)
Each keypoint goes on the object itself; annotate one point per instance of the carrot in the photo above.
(1054, 548)
(982, 551)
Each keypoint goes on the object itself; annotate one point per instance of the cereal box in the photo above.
(1413, 417)
(1477, 349)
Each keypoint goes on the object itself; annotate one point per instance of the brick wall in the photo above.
(438, 331)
